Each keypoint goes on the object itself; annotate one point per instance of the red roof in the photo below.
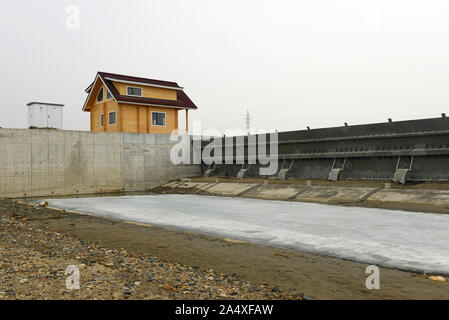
(137, 79)
(182, 101)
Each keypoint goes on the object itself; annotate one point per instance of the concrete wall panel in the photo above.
(7, 160)
(54, 162)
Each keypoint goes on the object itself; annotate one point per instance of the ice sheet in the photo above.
(406, 240)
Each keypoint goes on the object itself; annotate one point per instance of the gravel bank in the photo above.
(34, 260)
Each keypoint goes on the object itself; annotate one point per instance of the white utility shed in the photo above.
(45, 115)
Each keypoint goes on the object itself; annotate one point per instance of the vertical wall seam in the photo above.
(63, 159)
(31, 164)
(48, 161)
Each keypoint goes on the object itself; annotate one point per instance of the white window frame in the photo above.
(157, 125)
(102, 120)
(109, 114)
(134, 95)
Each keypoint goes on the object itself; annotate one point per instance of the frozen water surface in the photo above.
(407, 240)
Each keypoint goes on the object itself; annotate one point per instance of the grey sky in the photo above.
(291, 63)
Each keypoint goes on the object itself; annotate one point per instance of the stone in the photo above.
(437, 278)
(97, 277)
(126, 290)
(43, 204)
(169, 288)
(108, 264)
(234, 241)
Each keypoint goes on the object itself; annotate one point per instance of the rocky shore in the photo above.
(34, 260)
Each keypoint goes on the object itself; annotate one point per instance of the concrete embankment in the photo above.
(364, 194)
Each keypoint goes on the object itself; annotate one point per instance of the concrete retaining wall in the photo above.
(54, 162)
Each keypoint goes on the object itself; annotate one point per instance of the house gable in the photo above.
(93, 94)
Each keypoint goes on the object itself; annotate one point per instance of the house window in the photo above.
(100, 95)
(102, 120)
(108, 95)
(112, 117)
(133, 91)
(158, 118)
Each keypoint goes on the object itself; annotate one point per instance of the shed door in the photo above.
(40, 120)
(54, 117)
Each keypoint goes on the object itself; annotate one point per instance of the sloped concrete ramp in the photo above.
(334, 194)
(230, 189)
(422, 197)
(274, 192)
(420, 200)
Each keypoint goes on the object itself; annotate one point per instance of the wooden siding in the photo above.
(147, 92)
(130, 117)
(138, 119)
(104, 108)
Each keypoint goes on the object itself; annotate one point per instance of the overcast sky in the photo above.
(291, 63)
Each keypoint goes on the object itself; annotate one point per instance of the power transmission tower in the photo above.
(248, 121)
